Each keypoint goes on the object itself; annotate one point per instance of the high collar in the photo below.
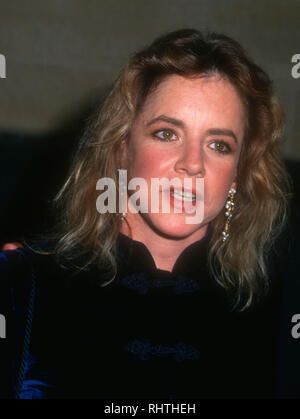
(134, 255)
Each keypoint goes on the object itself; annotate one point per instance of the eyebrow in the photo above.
(180, 124)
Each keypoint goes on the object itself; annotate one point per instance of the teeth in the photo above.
(186, 196)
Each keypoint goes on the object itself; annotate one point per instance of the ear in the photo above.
(233, 185)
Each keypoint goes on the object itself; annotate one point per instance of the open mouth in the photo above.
(186, 196)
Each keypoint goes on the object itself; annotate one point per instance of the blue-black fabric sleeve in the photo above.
(16, 286)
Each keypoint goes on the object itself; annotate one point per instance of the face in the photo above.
(186, 129)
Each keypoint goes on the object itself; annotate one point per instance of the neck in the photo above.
(164, 250)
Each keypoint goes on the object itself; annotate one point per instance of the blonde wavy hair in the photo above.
(263, 185)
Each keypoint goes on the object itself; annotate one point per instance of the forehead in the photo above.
(206, 96)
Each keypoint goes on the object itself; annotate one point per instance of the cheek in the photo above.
(217, 184)
(147, 163)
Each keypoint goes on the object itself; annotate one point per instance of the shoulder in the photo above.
(26, 268)
(21, 258)
(15, 273)
(16, 266)
(37, 266)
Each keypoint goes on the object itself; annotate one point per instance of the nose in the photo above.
(190, 161)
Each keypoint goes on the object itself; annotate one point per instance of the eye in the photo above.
(221, 147)
(165, 135)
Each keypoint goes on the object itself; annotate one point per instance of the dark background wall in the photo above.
(62, 55)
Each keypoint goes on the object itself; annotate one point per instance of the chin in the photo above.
(173, 226)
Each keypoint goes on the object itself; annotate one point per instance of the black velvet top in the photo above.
(148, 334)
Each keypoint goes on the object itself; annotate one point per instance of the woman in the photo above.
(143, 303)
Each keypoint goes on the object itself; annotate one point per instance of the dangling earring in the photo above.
(229, 207)
(122, 216)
